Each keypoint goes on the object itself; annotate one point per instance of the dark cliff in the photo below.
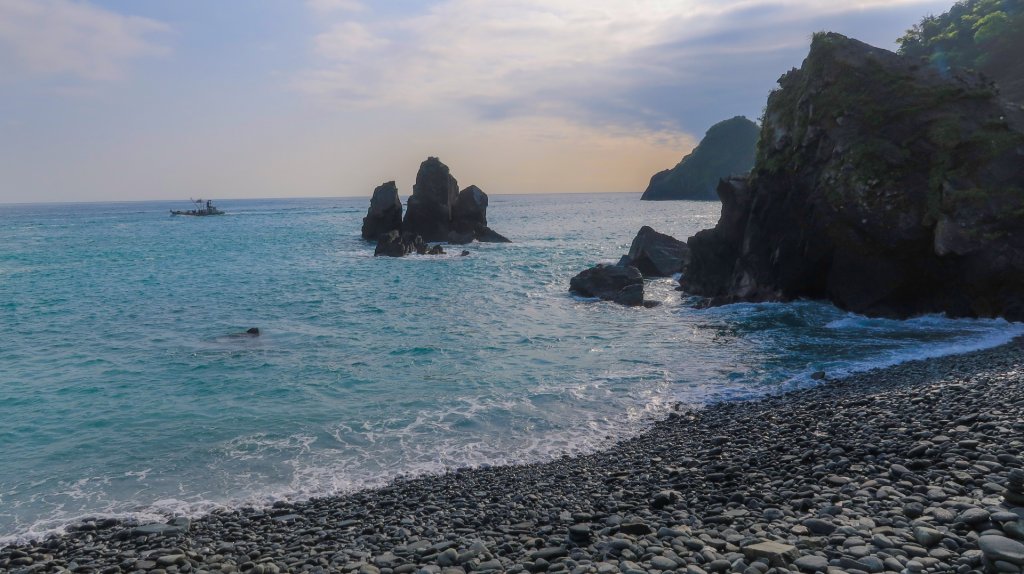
(880, 184)
(727, 149)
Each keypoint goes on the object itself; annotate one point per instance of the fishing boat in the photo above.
(203, 207)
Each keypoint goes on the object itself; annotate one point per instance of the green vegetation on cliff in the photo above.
(727, 149)
(982, 35)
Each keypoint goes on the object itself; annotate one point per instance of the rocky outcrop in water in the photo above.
(727, 149)
(469, 219)
(656, 254)
(617, 283)
(385, 213)
(436, 211)
(429, 209)
(881, 185)
(395, 244)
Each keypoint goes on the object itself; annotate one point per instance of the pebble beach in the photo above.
(912, 468)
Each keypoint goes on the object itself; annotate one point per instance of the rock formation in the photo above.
(617, 283)
(727, 149)
(385, 213)
(429, 210)
(469, 219)
(470, 210)
(656, 254)
(436, 211)
(395, 244)
(881, 185)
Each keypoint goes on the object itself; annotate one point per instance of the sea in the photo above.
(126, 392)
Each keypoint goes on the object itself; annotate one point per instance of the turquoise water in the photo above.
(122, 393)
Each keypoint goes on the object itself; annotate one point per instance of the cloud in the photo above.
(592, 61)
(74, 39)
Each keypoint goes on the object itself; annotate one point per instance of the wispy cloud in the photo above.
(583, 59)
(74, 39)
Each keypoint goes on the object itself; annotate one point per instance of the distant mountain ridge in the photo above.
(727, 149)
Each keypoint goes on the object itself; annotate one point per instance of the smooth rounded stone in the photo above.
(1014, 529)
(858, 551)
(915, 566)
(898, 470)
(720, 565)
(580, 533)
(663, 563)
(892, 564)
(549, 553)
(974, 516)
(1002, 548)
(170, 560)
(819, 527)
(1014, 498)
(635, 528)
(368, 569)
(882, 541)
(449, 557)
(914, 550)
(927, 537)
(811, 563)
(913, 510)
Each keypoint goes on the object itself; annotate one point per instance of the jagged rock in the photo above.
(656, 254)
(429, 210)
(390, 245)
(438, 211)
(623, 285)
(470, 210)
(881, 185)
(436, 250)
(385, 213)
(395, 244)
(727, 149)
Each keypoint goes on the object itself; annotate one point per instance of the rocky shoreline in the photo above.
(902, 469)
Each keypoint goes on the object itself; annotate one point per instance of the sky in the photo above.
(122, 100)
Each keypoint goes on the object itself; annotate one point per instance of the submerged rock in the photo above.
(881, 185)
(727, 149)
(656, 254)
(385, 213)
(623, 285)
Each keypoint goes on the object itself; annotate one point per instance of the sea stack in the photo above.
(881, 185)
(429, 209)
(436, 211)
(385, 213)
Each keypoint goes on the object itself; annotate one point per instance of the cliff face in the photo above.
(727, 149)
(881, 185)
